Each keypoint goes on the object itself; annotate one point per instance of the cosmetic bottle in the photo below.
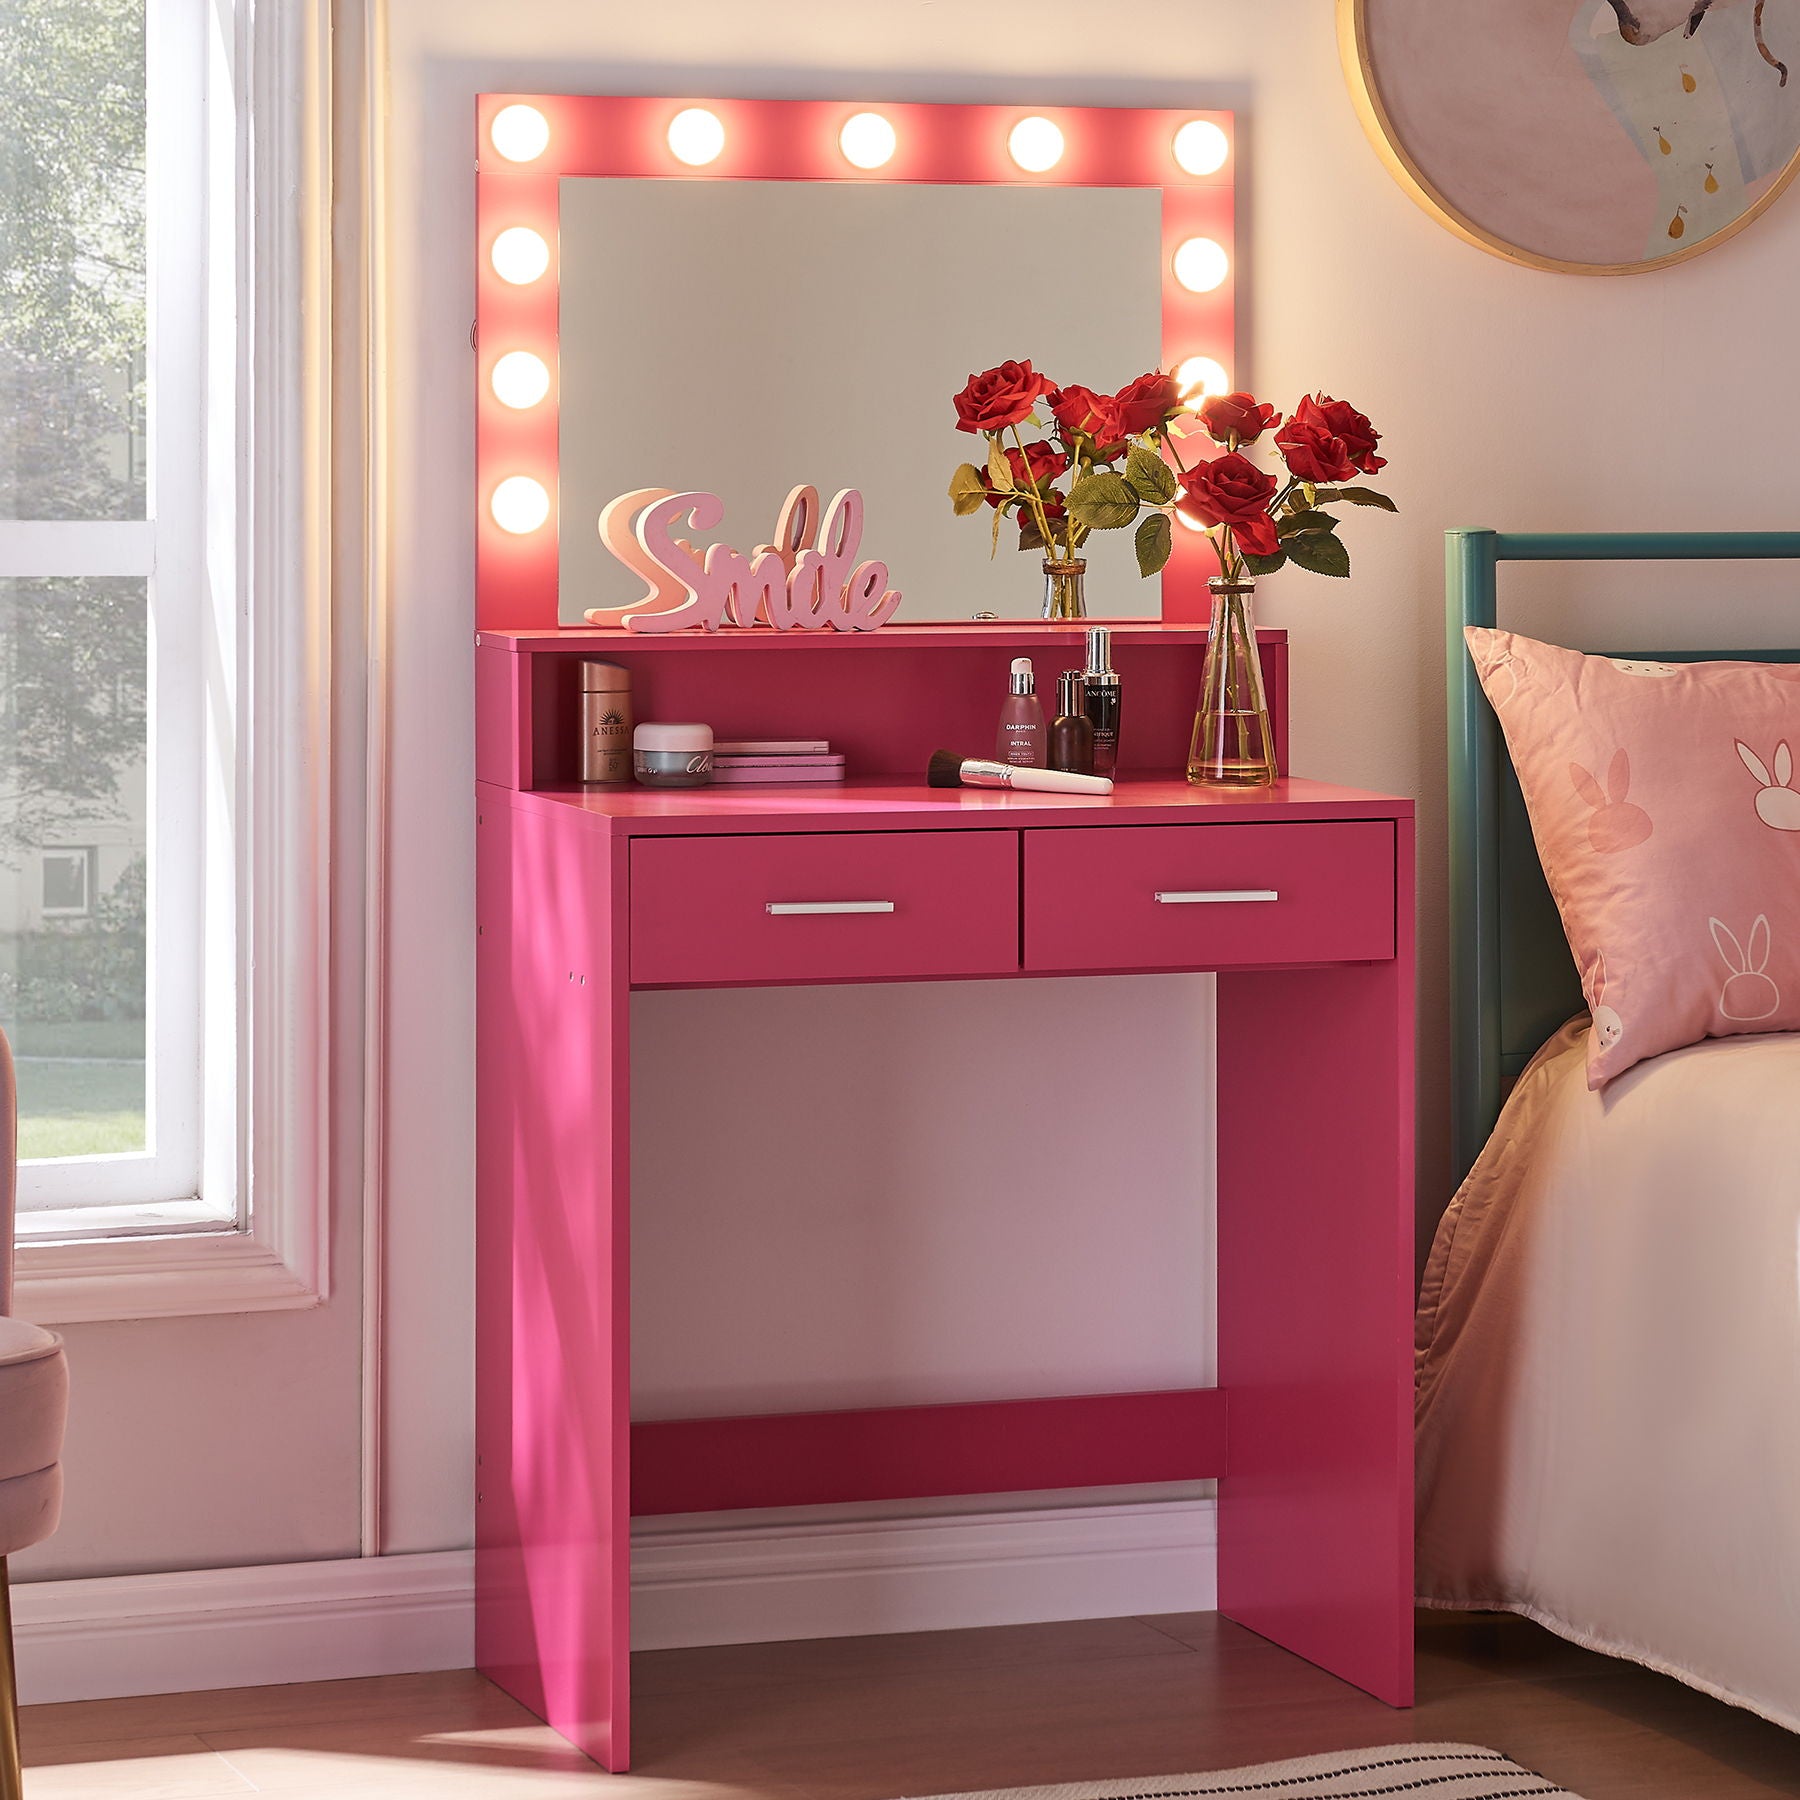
(1100, 699)
(1071, 732)
(605, 722)
(1021, 737)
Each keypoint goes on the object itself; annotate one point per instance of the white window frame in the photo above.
(251, 670)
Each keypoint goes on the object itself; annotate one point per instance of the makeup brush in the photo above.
(950, 770)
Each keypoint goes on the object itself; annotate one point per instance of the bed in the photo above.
(1609, 1324)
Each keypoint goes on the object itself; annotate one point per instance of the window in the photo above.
(68, 884)
(165, 650)
(106, 616)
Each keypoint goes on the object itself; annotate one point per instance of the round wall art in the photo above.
(1599, 137)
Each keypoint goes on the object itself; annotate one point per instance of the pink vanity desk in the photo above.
(585, 894)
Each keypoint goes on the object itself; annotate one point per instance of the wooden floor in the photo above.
(879, 1718)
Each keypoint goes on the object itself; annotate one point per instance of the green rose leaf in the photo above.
(994, 549)
(1150, 478)
(999, 469)
(1318, 551)
(1297, 523)
(1103, 502)
(966, 490)
(1265, 565)
(1359, 496)
(1153, 542)
(1030, 538)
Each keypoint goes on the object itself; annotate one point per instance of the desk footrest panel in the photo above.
(919, 1452)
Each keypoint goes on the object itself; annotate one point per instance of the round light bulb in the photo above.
(1200, 377)
(1191, 524)
(520, 504)
(520, 379)
(520, 133)
(867, 140)
(520, 255)
(1201, 265)
(1201, 147)
(696, 136)
(1035, 144)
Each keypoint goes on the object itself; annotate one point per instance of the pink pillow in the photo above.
(1663, 800)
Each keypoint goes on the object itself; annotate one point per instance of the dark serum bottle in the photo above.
(1071, 735)
(1101, 698)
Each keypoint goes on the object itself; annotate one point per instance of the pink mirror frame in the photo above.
(516, 446)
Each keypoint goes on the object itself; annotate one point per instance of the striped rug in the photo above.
(1429, 1771)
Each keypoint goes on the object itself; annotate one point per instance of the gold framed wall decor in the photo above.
(1591, 137)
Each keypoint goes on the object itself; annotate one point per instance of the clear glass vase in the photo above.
(1065, 590)
(1232, 745)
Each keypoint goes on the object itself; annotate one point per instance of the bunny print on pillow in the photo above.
(1616, 824)
(1748, 993)
(1608, 1026)
(1778, 805)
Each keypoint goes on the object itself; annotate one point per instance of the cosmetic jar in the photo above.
(672, 755)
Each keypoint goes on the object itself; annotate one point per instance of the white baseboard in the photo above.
(691, 1584)
(938, 1573)
(246, 1627)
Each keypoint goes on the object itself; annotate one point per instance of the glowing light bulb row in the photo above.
(868, 140)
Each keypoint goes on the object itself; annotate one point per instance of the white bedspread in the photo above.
(1609, 1367)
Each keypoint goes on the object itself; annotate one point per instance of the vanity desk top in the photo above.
(874, 803)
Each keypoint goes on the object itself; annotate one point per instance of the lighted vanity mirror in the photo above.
(769, 315)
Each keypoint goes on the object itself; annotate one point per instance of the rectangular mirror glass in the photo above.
(739, 337)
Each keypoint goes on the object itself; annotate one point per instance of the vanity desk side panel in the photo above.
(553, 1326)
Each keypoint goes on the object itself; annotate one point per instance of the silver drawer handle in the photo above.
(785, 908)
(1210, 896)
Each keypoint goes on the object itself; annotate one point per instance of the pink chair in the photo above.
(34, 1397)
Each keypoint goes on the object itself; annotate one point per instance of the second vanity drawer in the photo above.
(831, 906)
(1174, 896)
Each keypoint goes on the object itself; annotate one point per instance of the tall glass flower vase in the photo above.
(1065, 591)
(1233, 745)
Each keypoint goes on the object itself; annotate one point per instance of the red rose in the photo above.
(1079, 409)
(1329, 440)
(1042, 458)
(1148, 402)
(999, 397)
(1352, 430)
(1232, 491)
(1313, 451)
(1240, 416)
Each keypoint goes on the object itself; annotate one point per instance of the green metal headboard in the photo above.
(1512, 979)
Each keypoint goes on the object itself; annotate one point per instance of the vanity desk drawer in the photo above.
(826, 906)
(1174, 896)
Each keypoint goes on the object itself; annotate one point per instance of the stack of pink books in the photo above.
(776, 761)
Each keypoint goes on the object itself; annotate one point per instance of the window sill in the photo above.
(177, 1276)
(64, 1225)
